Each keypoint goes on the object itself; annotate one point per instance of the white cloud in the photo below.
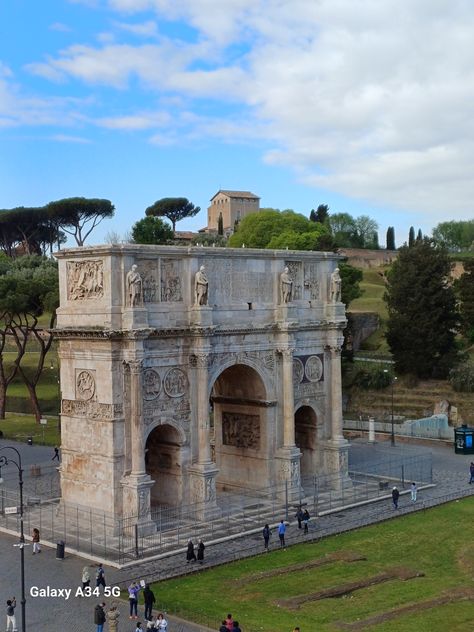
(143, 29)
(133, 122)
(64, 138)
(369, 99)
(59, 26)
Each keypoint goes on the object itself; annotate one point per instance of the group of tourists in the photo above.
(191, 554)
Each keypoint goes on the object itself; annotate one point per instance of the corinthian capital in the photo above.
(287, 352)
(199, 360)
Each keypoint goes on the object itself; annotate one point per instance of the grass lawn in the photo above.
(20, 427)
(437, 543)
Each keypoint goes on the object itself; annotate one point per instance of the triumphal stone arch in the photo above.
(190, 372)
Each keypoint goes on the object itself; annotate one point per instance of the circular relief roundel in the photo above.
(175, 383)
(85, 385)
(314, 369)
(298, 371)
(151, 384)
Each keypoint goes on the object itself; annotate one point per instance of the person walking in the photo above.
(149, 597)
(190, 555)
(10, 612)
(305, 520)
(413, 492)
(395, 497)
(471, 472)
(281, 533)
(100, 576)
(56, 454)
(99, 617)
(266, 536)
(299, 517)
(36, 541)
(201, 548)
(86, 577)
(133, 591)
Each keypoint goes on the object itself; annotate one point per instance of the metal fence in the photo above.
(98, 534)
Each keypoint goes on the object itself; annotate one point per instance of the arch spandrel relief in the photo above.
(166, 396)
(85, 384)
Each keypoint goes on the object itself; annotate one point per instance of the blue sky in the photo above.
(360, 104)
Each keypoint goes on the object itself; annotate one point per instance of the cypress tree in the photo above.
(411, 237)
(220, 225)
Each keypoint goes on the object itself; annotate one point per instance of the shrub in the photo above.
(461, 377)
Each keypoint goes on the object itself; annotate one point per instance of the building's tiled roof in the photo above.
(237, 194)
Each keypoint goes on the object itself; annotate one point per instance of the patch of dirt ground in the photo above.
(330, 558)
(402, 574)
(463, 594)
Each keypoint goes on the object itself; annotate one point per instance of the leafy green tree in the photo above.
(465, 290)
(411, 237)
(78, 216)
(391, 238)
(321, 214)
(175, 209)
(455, 235)
(29, 286)
(351, 278)
(421, 305)
(257, 229)
(152, 230)
(366, 231)
(343, 229)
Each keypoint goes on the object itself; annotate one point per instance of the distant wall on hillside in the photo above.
(361, 258)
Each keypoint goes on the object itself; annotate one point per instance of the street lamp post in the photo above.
(5, 461)
(392, 435)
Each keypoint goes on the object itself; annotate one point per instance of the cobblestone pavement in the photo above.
(450, 472)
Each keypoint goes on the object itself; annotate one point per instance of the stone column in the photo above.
(337, 448)
(136, 410)
(136, 486)
(203, 473)
(200, 363)
(336, 393)
(288, 398)
(289, 455)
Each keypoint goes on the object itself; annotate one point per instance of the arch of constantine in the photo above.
(152, 339)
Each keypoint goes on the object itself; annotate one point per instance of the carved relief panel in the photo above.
(308, 374)
(149, 273)
(171, 283)
(85, 280)
(166, 395)
(240, 430)
(311, 282)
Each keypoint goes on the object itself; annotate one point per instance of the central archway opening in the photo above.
(163, 459)
(241, 426)
(305, 439)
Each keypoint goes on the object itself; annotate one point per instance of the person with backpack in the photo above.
(149, 598)
(305, 520)
(99, 617)
(11, 619)
(100, 576)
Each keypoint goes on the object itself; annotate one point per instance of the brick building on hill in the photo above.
(233, 205)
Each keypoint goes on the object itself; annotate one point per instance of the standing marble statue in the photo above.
(286, 286)
(336, 282)
(134, 287)
(201, 286)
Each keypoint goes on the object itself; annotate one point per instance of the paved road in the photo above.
(76, 614)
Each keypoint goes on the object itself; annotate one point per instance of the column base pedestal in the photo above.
(136, 500)
(336, 457)
(202, 490)
(288, 474)
(135, 318)
(200, 315)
